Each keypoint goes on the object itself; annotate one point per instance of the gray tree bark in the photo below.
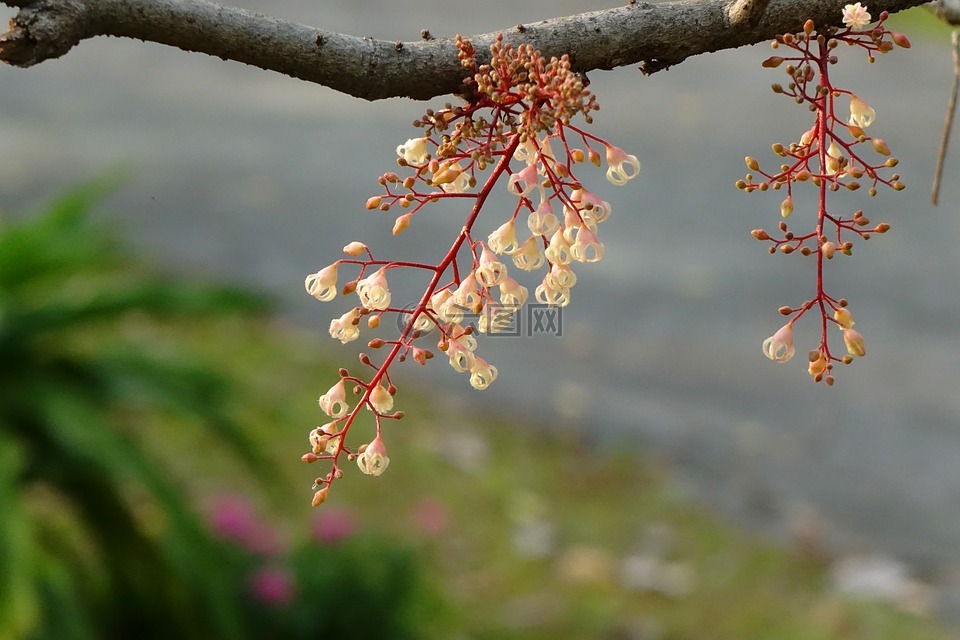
(654, 36)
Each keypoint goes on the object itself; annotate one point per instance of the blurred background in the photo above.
(648, 474)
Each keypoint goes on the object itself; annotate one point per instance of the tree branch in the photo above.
(655, 36)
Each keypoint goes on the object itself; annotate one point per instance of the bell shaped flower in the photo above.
(323, 284)
(445, 306)
(424, 323)
(490, 271)
(504, 239)
(374, 461)
(528, 256)
(524, 182)
(861, 114)
(834, 158)
(373, 291)
(467, 294)
(586, 248)
(593, 210)
(543, 221)
(551, 296)
(380, 399)
(512, 293)
(558, 251)
(560, 277)
(482, 374)
(461, 357)
(334, 401)
(345, 327)
(621, 167)
(779, 346)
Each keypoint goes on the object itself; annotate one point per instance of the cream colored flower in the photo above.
(490, 271)
(413, 151)
(345, 327)
(334, 401)
(861, 114)
(373, 291)
(482, 374)
(504, 239)
(619, 166)
(586, 248)
(856, 17)
(374, 461)
(322, 285)
(380, 399)
(528, 256)
(779, 346)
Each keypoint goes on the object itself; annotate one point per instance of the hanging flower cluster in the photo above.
(828, 156)
(515, 130)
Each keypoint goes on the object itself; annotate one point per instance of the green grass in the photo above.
(129, 406)
(493, 478)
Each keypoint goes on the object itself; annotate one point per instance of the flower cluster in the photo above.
(515, 130)
(828, 156)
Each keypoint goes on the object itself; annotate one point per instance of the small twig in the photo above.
(948, 121)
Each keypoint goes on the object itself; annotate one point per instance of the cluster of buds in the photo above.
(514, 130)
(828, 157)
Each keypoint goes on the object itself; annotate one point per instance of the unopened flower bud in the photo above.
(401, 224)
(760, 234)
(843, 317)
(817, 365)
(320, 496)
(374, 202)
(854, 342)
(786, 207)
(828, 249)
(355, 248)
(900, 39)
(880, 146)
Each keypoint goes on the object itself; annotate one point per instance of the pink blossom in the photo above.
(333, 525)
(233, 518)
(273, 585)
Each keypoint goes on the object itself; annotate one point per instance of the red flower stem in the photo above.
(441, 268)
(823, 104)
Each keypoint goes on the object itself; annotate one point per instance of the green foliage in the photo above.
(99, 537)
